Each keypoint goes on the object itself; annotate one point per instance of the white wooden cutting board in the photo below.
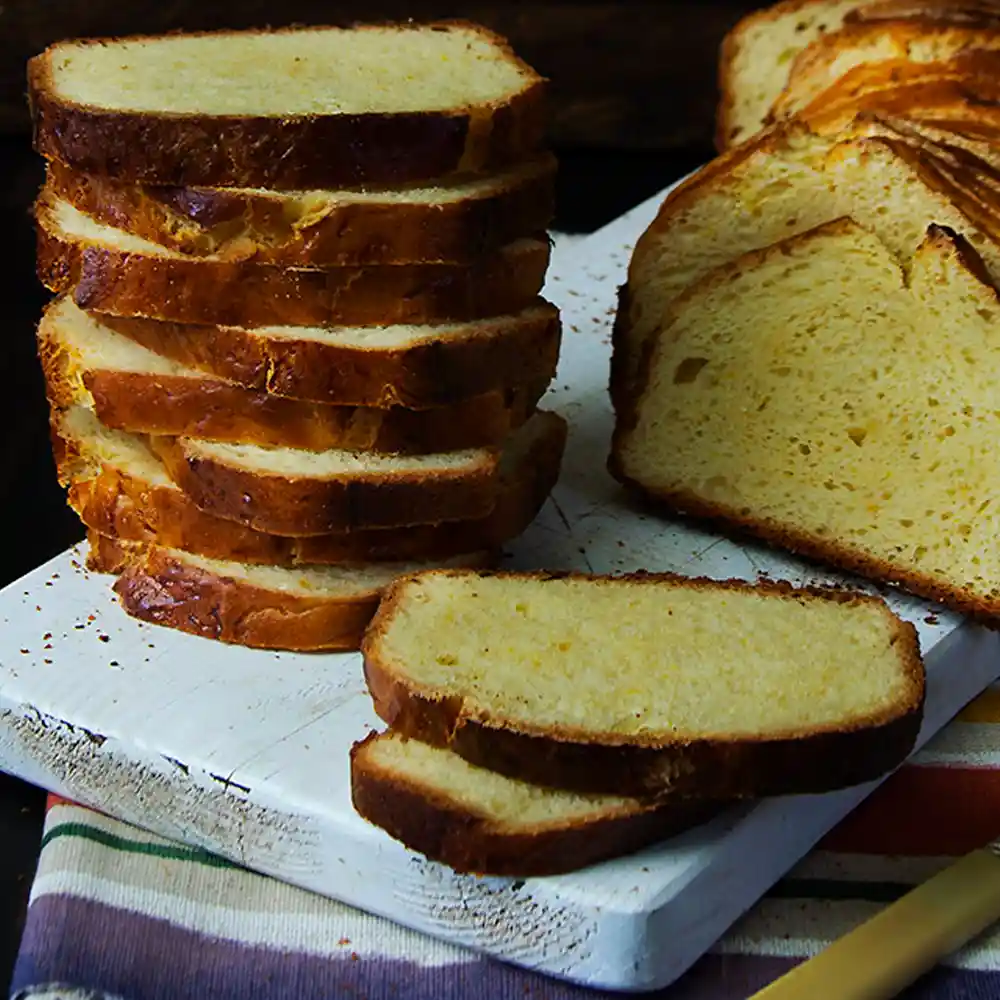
(246, 752)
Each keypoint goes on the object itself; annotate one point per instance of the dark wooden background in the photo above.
(632, 98)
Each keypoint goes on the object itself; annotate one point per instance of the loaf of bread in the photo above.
(817, 395)
(288, 109)
(648, 684)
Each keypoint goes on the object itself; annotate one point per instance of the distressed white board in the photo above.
(246, 752)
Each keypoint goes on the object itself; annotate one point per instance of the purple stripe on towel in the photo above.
(97, 947)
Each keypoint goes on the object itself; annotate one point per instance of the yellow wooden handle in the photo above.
(885, 954)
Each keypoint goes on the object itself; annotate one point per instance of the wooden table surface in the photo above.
(594, 187)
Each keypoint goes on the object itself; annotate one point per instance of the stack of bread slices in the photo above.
(806, 347)
(297, 343)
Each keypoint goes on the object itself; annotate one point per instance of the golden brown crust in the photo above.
(206, 407)
(430, 372)
(299, 506)
(160, 586)
(259, 226)
(246, 293)
(111, 502)
(821, 56)
(817, 759)
(442, 828)
(291, 152)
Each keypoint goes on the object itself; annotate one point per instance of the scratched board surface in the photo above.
(246, 752)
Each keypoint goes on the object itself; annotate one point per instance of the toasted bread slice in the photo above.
(116, 272)
(757, 55)
(827, 59)
(288, 491)
(783, 183)
(477, 821)
(294, 108)
(455, 221)
(882, 463)
(306, 608)
(404, 365)
(132, 389)
(120, 489)
(648, 684)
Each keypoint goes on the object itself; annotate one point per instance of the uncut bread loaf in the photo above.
(415, 366)
(873, 402)
(454, 221)
(477, 821)
(121, 490)
(786, 181)
(314, 108)
(132, 389)
(648, 684)
(305, 608)
(114, 271)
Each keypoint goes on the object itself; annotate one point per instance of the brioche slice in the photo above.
(120, 489)
(454, 221)
(757, 55)
(287, 491)
(783, 183)
(116, 272)
(874, 399)
(132, 389)
(412, 366)
(648, 684)
(265, 607)
(480, 822)
(827, 59)
(293, 108)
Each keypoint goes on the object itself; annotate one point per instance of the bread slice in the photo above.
(403, 365)
(119, 273)
(783, 183)
(120, 489)
(480, 822)
(648, 684)
(132, 389)
(294, 108)
(454, 221)
(832, 55)
(289, 491)
(757, 55)
(308, 608)
(873, 398)
(113, 271)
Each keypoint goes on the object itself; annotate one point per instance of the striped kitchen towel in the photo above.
(118, 913)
